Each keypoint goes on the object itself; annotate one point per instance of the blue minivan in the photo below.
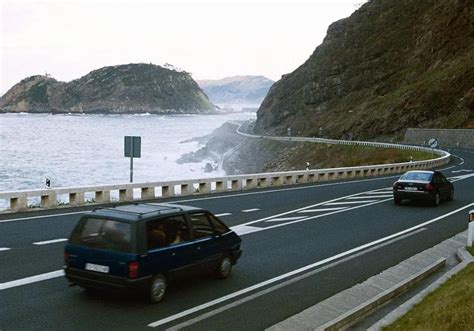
(140, 247)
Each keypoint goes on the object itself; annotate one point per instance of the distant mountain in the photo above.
(391, 65)
(237, 90)
(130, 88)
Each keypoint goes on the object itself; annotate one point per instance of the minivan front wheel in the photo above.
(158, 288)
(224, 268)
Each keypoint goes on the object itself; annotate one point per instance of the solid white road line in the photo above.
(300, 270)
(348, 202)
(223, 214)
(244, 229)
(320, 209)
(250, 210)
(282, 219)
(32, 279)
(50, 241)
(372, 196)
(3, 249)
(287, 282)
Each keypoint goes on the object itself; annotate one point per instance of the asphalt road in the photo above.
(301, 244)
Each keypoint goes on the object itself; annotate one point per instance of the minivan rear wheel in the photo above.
(158, 288)
(224, 268)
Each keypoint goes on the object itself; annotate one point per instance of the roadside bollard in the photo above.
(470, 230)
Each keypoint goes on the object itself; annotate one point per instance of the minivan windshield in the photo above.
(103, 234)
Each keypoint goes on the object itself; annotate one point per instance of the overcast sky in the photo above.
(210, 39)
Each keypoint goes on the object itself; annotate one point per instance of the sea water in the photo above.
(77, 150)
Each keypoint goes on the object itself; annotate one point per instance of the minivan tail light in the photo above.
(429, 187)
(66, 258)
(133, 269)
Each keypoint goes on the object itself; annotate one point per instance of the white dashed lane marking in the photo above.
(370, 197)
(50, 241)
(250, 210)
(223, 214)
(2, 249)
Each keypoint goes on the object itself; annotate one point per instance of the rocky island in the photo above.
(131, 88)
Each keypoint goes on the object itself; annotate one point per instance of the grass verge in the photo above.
(450, 307)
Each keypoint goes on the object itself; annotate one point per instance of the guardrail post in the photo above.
(276, 181)
(187, 189)
(76, 198)
(48, 200)
(167, 191)
(148, 193)
(102, 196)
(221, 185)
(250, 183)
(204, 187)
(235, 184)
(19, 203)
(126, 194)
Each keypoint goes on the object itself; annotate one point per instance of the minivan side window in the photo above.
(201, 226)
(166, 231)
(219, 227)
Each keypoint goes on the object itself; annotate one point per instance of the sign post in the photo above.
(132, 148)
(433, 143)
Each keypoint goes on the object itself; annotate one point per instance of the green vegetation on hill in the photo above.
(389, 66)
(132, 88)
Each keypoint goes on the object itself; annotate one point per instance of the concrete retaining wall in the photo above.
(446, 137)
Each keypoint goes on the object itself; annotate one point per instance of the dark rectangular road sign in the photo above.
(133, 146)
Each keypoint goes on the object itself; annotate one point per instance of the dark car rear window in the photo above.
(103, 234)
(423, 176)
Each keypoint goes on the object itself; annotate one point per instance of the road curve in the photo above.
(301, 244)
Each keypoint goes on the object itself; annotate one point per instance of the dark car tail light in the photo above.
(66, 258)
(429, 187)
(133, 269)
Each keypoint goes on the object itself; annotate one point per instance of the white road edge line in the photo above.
(287, 282)
(3, 249)
(50, 241)
(297, 271)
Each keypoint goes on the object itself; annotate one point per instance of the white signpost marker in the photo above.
(433, 143)
(470, 230)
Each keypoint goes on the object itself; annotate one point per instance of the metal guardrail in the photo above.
(76, 196)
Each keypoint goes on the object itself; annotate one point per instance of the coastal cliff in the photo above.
(389, 66)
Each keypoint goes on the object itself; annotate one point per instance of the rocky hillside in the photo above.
(389, 66)
(248, 90)
(132, 88)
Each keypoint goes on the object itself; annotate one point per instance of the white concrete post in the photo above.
(470, 230)
(126, 194)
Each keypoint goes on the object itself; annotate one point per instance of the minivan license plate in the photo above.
(411, 188)
(96, 267)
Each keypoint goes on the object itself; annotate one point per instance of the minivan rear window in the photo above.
(103, 234)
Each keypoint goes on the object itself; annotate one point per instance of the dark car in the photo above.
(423, 185)
(141, 246)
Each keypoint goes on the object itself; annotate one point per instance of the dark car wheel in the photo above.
(436, 199)
(224, 268)
(397, 200)
(451, 195)
(157, 289)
